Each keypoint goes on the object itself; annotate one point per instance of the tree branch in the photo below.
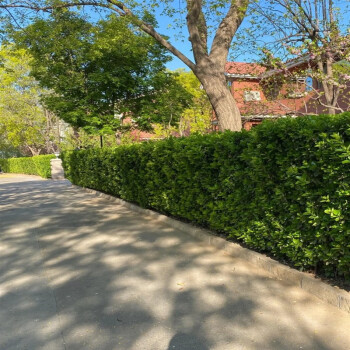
(227, 30)
(116, 6)
(197, 28)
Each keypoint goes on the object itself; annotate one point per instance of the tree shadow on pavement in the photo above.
(79, 272)
(185, 341)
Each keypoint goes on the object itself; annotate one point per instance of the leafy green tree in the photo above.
(25, 126)
(196, 116)
(211, 26)
(165, 105)
(79, 139)
(99, 73)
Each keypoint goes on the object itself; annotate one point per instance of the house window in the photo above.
(251, 95)
(297, 88)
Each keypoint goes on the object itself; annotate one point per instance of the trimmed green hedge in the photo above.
(282, 188)
(37, 165)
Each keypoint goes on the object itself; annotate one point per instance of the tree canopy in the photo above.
(211, 27)
(26, 127)
(97, 73)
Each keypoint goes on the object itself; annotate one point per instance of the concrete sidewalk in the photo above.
(80, 272)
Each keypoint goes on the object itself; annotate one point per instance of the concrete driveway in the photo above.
(80, 272)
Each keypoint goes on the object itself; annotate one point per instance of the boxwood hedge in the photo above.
(282, 188)
(37, 165)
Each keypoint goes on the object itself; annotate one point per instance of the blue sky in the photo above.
(163, 28)
(182, 43)
(185, 47)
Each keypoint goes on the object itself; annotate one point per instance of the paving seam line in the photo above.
(332, 295)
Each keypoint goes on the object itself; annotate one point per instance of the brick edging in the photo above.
(332, 295)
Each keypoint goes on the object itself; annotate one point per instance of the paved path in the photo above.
(79, 272)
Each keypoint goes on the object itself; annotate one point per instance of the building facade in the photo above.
(266, 94)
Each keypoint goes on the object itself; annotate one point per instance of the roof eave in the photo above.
(241, 76)
(289, 65)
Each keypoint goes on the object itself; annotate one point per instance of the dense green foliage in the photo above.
(38, 165)
(283, 188)
(195, 118)
(98, 73)
(26, 128)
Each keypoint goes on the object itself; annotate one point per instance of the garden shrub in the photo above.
(282, 188)
(37, 165)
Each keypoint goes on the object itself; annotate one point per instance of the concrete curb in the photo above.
(332, 295)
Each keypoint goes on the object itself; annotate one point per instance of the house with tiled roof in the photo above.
(259, 97)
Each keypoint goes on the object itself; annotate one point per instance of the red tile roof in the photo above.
(244, 68)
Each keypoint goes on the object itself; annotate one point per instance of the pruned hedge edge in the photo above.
(282, 188)
(37, 165)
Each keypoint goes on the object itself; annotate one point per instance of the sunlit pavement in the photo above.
(80, 272)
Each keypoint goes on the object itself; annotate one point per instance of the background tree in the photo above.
(98, 74)
(218, 21)
(25, 126)
(164, 106)
(74, 139)
(196, 117)
(311, 31)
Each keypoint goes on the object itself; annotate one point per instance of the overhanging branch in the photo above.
(116, 6)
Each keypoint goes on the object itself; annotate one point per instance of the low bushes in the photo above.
(283, 188)
(38, 165)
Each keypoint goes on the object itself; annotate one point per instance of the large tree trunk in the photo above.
(331, 110)
(222, 101)
(330, 92)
